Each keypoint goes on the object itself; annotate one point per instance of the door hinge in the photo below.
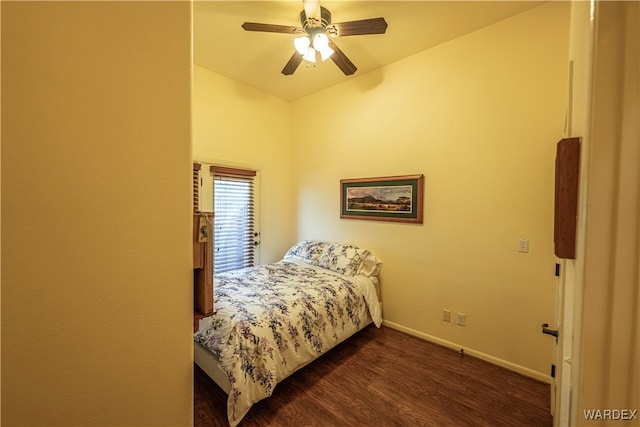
(557, 270)
(553, 371)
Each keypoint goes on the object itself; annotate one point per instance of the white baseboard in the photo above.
(471, 352)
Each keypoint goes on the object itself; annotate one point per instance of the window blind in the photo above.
(196, 187)
(233, 194)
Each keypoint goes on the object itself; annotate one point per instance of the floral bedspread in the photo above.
(272, 319)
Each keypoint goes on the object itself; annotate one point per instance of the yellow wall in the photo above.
(478, 116)
(236, 125)
(96, 222)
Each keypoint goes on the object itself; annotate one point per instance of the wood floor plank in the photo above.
(384, 377)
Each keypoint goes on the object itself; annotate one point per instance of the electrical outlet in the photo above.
(461, 320)
(446, 315)
(523, 245)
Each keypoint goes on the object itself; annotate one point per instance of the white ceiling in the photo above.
(256, 58)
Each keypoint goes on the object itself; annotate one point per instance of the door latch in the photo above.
(546, 330)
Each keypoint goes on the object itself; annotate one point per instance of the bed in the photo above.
(273, 319)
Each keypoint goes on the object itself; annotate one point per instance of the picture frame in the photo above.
(391, 198)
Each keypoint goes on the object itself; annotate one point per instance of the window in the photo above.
(233, 222)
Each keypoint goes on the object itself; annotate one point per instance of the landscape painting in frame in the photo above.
(394, 198)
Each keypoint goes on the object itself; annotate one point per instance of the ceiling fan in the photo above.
(313, 36)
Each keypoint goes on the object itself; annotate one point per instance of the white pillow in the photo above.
(342, 258)
(307, 250)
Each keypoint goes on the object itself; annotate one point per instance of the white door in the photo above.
(568, 293)
(565, 226)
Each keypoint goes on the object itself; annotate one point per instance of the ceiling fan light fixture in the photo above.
(326, 53)
(310, 55)
(321, 44)
(302, 44)
(320, 40)
(312, 37)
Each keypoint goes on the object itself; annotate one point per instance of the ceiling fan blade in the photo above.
(312, 8)
(341, 60)
(292, 65)
(363, 26)
(271, 28)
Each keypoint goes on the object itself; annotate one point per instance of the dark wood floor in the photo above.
(382, 377)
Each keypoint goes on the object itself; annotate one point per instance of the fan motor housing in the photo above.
(313, 23)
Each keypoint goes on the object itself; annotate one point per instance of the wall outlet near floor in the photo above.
(446, 315)
(461, 320)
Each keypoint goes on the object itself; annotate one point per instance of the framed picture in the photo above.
(393, 198)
